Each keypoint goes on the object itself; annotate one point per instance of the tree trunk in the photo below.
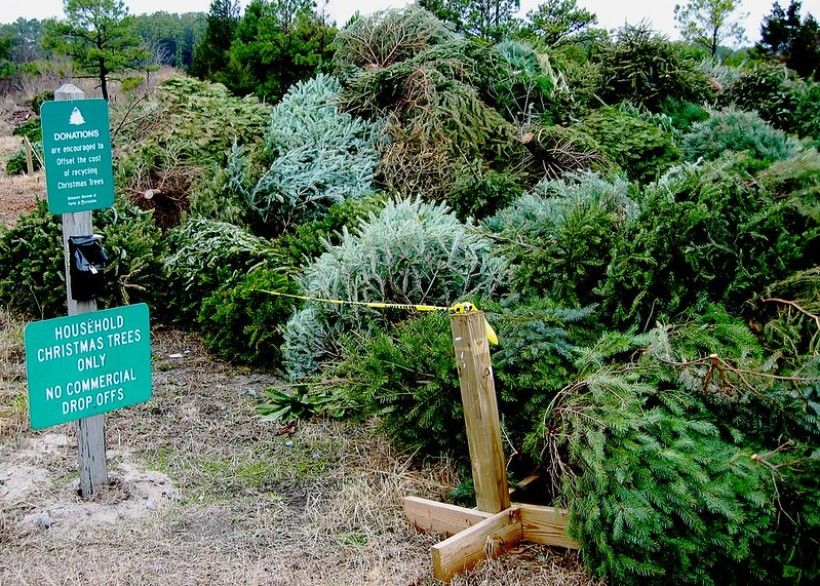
(103, 79)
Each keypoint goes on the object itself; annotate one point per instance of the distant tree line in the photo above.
(169, 38)
(276, 43)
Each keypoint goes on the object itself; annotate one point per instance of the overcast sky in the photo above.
(611, 13)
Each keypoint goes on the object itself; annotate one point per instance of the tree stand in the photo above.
(495, 525)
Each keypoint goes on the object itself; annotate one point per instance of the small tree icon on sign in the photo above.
(76, 118)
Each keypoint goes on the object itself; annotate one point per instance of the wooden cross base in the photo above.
(499, 524)
(476, 535)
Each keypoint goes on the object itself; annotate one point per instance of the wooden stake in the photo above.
(90, 430)
(29, 159)
(475, 373)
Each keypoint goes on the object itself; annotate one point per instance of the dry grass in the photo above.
(322, 506)
(9, 144)
(19, 194)
(13, 407)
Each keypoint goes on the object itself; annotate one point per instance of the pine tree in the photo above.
(560, 22)
(709, 23)
(491, 19)
(796, 43)
(211, 54)
(99, 36)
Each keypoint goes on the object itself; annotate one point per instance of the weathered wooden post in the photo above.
(29, 157)
(496, 525)
(475, 373)
(90, 430)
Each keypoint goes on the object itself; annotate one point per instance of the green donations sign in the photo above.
(86, 364)
(77, 153)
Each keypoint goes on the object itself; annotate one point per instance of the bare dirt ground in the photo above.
(206, 493)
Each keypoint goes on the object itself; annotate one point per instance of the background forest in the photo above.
(638, 217)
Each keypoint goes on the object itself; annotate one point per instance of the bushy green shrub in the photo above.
(220, 196)
(559, 238)
(410, 252)
(204, 254)
(778, 96)
(202, 117)
(807, 113)
(682, 113)
(135, 249)
(309, 240)
(18, 162)
(642, 150)
(644, 68)
(645, 466)
(407, 374)
(408, 377)
(735, 130)
(439, 121)
(32, 265)
(790, 552)
(720, 360)
(36, 101)
(538, 343)
(796, 179)
(720, 72)
(242, 323)
(479, 194)
(305, 344)
(522, 84)
(764, 89)
(315, 155)
(582, 75)
(388, 36)
(33, 282)
(652, 476)
(789, 327)
(171, 144)
(706, 232)
(31, 129)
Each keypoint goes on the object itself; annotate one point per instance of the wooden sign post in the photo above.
(81, 366)
(495, 525)
(90, 430)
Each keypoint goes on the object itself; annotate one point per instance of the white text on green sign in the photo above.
(77, 155)
(86, 364)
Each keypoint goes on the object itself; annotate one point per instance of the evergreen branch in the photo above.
(714, 358)
(794, 304)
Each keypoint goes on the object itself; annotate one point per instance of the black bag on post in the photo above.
(88, 261)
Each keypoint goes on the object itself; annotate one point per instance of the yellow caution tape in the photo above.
(464, 307)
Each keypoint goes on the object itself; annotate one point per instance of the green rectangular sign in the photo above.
(86, 364)
(77, 155)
